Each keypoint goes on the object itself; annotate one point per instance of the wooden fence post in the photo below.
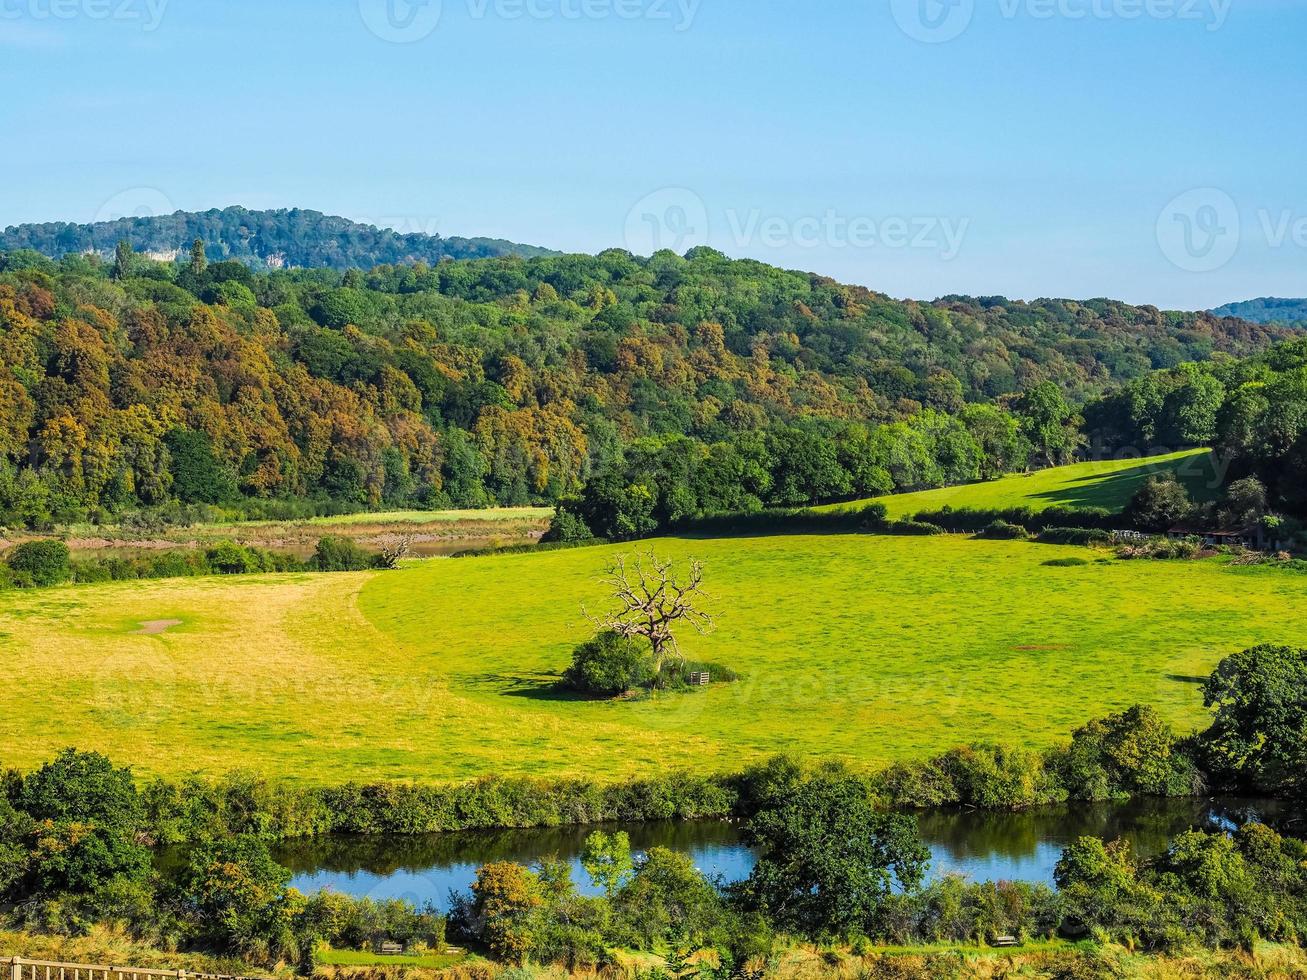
(15, 969)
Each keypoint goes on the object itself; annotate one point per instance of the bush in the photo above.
(1163, 549)
(916, 529)
(1035, 521)
(336, 554)
(868, 518)
(675, 676)
(567, 527)
(41, 563)
(1001, 530)
(1083, 536)
(609, 664)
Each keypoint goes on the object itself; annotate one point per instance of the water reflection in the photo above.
(980, 845)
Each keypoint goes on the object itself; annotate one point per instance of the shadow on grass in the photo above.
(1186, 679)
(533, 688)
(1113, 491)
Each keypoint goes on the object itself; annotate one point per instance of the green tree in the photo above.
(198, 477)
(124, 259)
(42, 563)
(1049, 423)
(235, 893)
(199, 261)
(829, 857)
(82, 787)
(668, 901)
(1258, 736)
(607, 860)
(1159, 505)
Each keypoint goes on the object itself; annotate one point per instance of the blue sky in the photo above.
(1149, 150)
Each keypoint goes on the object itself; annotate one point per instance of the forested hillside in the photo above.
(264, 239)
(1253, 410)
(1286, 312)
(147, 385)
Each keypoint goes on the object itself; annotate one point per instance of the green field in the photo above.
(1107, 483)
(864, 648)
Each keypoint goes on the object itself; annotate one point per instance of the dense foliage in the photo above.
(266, 239)
(1252, 410)
(677, 386)
(610, 664)
(835, 861)
(1288, 312)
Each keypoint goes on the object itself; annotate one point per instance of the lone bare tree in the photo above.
(654, 597)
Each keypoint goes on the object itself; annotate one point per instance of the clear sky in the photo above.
(1149, 150)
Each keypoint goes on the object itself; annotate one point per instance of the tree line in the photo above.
(261, 239)
(199, 388)
(1252, 410)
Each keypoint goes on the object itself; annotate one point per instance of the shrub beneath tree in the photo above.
(337, 554)
(610, 664)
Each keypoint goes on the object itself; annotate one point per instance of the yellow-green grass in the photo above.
(869, 649)
(1104, 483)
(429, 961)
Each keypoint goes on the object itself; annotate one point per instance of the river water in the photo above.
(982, 846)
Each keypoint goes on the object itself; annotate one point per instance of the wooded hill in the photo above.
(1286, 312)
(286, 238)
(139, 384)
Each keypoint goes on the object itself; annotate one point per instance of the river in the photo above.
(1025, 846)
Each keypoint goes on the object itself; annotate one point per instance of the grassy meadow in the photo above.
(1101, 483)
(864, 648)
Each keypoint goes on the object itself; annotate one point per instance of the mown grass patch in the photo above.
(1107, 483)
(864, 648)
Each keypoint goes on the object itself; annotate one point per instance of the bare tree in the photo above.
(396, 550)
(654, 597)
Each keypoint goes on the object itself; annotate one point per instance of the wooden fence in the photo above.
(16, 968)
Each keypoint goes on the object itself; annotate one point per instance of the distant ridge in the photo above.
(1268, 309)
(293, 238)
